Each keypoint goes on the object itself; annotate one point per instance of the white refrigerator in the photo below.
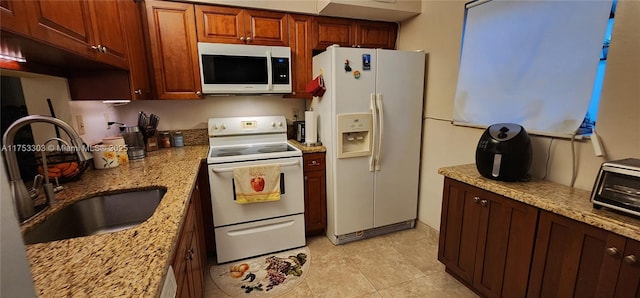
(370, 121)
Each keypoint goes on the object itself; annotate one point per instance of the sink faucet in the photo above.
(22, 200)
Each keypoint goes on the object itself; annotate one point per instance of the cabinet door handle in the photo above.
(631, 259)
(138, 92)
(305, 178)
(612, 251)
(476, 200)
(484, 203)
(248, 39)
(103, 49)
(96, 48)
(199, 93)
(242, 38)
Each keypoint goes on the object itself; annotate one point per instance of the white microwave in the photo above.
(244, 69)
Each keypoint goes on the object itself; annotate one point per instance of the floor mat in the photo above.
(265, 276)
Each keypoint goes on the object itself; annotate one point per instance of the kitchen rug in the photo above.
(265, 276)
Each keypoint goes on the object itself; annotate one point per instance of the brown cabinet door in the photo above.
(459, 229)
(568, 258)
(194, 267)
(173, 46)
(486, 239)
(376, 34)
(66, 24)
(328, 31)
(238, 26)
(220, 24)
(315, 206)
(138, 63)
(620, 271)
(109, 33)
(301, 54)
(628, 284)
(13, 16)
(266, 28)
(315, 197)
(505, 246)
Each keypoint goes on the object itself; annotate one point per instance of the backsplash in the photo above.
(194, 114)
(193, 137)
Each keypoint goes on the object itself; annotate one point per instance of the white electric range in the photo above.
(247, 230)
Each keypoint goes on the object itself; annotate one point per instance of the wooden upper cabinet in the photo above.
(89, 28)
(266, 28)
(240, 26)
(353, 33)
(174, 51)
(138, 62)
(376, 34)
(13, 16)
(220, 24)
(301, 54)
(109, 32)
(329, 31)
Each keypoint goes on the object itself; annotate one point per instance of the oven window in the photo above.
(221, 69)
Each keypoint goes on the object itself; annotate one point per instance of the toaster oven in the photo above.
(618, 186)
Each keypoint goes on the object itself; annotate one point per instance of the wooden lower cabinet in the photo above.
(315, 196)
(574, 259)
(189, 261)
(486, 240)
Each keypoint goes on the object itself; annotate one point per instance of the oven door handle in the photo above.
(284, 164)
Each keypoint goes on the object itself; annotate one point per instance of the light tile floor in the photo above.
(401, 264)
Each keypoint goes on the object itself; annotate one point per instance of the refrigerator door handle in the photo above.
(374, 111)
(380, 129)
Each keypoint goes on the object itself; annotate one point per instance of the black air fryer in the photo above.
(504, 153)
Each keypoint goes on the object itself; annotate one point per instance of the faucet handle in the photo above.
(37, 183)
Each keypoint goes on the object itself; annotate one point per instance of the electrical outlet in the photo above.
(295, 114)
(80, 124)
(106, 120)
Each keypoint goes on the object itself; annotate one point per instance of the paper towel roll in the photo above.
(310, 128)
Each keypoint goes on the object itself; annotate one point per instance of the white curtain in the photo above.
(531, 63)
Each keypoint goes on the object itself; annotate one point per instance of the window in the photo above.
(592, 113)
(533, 63)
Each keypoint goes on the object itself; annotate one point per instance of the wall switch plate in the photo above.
(295, 113)
(80, 123)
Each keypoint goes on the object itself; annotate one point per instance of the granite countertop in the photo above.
(557, 198)
(307, 149)
(127, 263)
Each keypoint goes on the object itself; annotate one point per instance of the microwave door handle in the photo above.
(269, 71)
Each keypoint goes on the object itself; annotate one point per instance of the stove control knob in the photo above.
(280, 124)
(223, 126)
(215, 127)
(273, 124)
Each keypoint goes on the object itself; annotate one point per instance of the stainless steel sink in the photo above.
(97, 215)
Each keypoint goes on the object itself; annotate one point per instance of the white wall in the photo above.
(438, 31)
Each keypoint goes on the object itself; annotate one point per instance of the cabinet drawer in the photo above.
(313, 161)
